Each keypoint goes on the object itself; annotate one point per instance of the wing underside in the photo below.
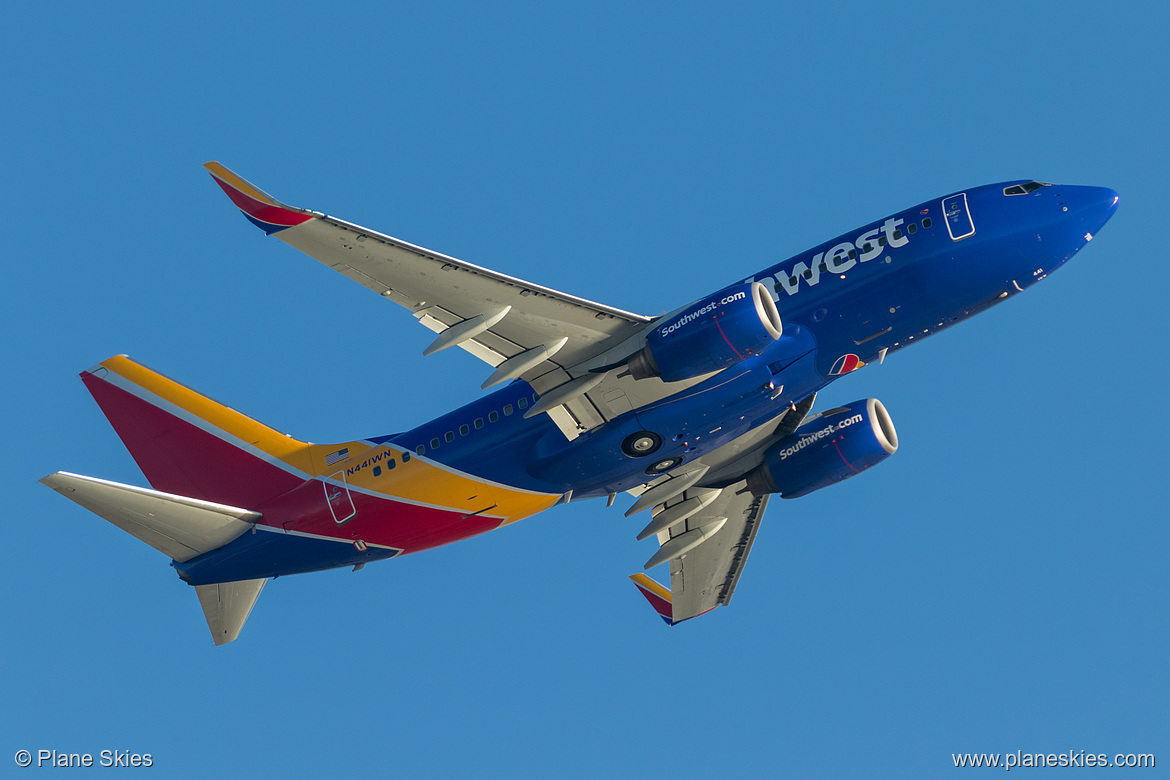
(705, 521)
(706, 576)
(551, 339)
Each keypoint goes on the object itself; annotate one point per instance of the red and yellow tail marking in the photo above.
(282, 447)
(418, 481)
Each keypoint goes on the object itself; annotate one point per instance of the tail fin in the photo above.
(188, 444)
(179, 527)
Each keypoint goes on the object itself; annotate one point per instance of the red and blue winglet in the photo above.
(657, 595)
(261, 209)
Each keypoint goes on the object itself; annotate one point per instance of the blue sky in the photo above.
(998, 585)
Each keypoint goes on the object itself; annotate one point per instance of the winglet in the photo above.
(261, 209)
(657, 595)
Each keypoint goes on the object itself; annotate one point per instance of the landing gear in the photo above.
(641, 444)
(663, 466)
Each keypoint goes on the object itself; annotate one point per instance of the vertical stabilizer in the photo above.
(226, 605)
(191, 445)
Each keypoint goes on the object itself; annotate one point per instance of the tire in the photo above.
(641, 444)
(664, 465)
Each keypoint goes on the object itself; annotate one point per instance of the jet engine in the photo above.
(833, 446)
(709, 335)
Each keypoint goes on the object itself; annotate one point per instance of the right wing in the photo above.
(555, 341)
(440, 290)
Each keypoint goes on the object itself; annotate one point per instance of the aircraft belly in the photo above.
(698, 421)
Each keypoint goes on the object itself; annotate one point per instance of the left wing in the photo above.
(705, 576)
(706, 520)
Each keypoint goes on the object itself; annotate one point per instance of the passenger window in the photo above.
(912, 227)
(522, 403)
(478, 422)
(926, 222)
(377, 471)
(897, 234)
(449, 436)
(807, 274)
(867, 248)
(852, 254)
(792, 280)
(507, 409)
(434, 444)
(391, 464)
(493, 416)
(406, 456)
(824, 268)
(421, 449)
(881, 240)
(464, 430)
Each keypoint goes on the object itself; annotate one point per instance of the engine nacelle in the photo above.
(834, 446)
(710, 335)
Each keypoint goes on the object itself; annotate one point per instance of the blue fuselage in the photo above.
(846, 302)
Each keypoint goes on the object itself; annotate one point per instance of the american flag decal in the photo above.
(333, 457)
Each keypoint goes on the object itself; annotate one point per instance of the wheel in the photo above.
(663, 466)
(641, 444)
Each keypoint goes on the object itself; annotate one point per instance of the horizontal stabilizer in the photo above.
(226, 605)
(177, 526)
(657, 595)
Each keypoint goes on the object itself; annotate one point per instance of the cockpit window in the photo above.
(1024, 189)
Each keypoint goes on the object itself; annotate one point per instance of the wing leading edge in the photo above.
(523, 330)
(441, 291)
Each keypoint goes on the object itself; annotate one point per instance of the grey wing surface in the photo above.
(440, 290)
(706, 520)
(521, 329)
(706, 576)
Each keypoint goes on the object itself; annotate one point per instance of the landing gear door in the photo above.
(958, 217)
(339, 500)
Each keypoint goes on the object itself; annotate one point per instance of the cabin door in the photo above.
(958, 217)
(339, 499)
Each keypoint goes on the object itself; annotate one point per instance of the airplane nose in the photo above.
(1103, 199)
(1095, 206)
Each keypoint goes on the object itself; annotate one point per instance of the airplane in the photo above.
(701, 414)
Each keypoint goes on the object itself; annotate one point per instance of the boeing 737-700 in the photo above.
(702, 413)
